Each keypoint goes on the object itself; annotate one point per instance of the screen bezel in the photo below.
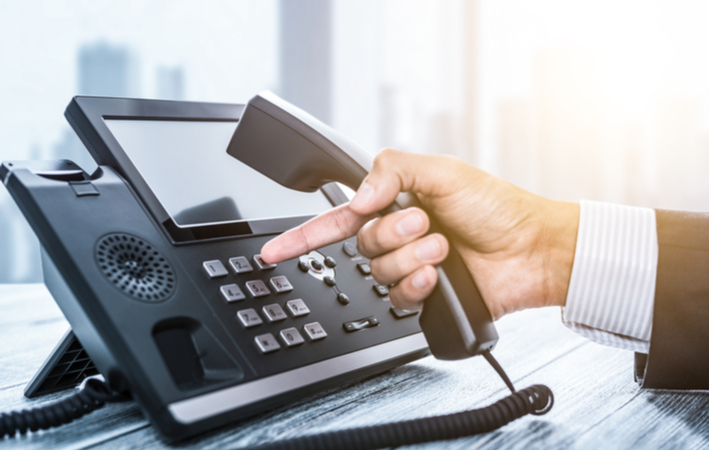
(87, 117)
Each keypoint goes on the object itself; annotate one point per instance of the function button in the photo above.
(382, 291)
(281, 284)
(291, 337)
(364, 268)
(274, 313)
(317, 265)
(267, 343)
(330, 281)
(315, 331)
(355, 325)
(249, 318)
(350, 249)
(240, 264)
(343, 299)
(402, 313)
(263, 265)
(257, 288)
(232, 293)
(303, 266)
(329, 262)
(297, 307)
(215, 268)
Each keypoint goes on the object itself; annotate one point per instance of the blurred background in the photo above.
(601, 100)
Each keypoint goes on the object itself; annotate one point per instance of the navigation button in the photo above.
(214, 268)
(364, 268)
(232, 293)
(349, 249)
(402, 313)
(267, 343)
(356, 325)
(382, 291)
(315, 331)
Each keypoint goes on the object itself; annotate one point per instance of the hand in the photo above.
(519, 247)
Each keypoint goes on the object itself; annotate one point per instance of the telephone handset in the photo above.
(298, 151)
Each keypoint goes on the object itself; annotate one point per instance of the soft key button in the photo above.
(214, 268)
(297, 307)
(240, 264)
(291, 337)
(263, 265)
(249, 318)
(257, 288)
(232, 293)
(315, 331)
(281, 284)
(267, 343)
(274, 313)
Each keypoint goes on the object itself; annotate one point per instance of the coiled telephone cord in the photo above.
(91, 397)
(536, 400)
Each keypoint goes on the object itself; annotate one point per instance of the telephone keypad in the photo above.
(291, 337)
(214, 268)
(240, 264)
(267, 343)
(315, 331)
(297, 307)
(281, 284)
(232, 293)
(274, 312)
(257, 288)
(249, 318)
(263, 265)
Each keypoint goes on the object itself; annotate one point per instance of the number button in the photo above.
(257, 288)
(240, 264)
(263, 265)
(297, 307)
(364, 268)
(232, 293)
(274, 313)
(291, 337)
(249, 318)
(214, 268)
(281, 284)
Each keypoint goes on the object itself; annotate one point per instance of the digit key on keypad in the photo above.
(257, 288)
(249, 318)
(231, 293)
(281, 284)
(297, 307)
(315, 331)
(267, 343)
(291, 337)
(274, 312)
(214, 268)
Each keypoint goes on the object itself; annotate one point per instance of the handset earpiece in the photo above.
(297, 151)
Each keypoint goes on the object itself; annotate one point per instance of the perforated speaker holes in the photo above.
(135, 267)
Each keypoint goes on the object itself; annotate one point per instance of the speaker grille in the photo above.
(135, 267)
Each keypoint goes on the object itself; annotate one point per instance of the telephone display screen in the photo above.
(186, 165)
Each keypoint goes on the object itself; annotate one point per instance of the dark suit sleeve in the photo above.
(678, 355)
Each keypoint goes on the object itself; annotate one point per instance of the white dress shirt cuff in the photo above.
(612, 287)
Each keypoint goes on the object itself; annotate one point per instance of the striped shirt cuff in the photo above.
(612, 287)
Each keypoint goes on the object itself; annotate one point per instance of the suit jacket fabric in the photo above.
(678, 355)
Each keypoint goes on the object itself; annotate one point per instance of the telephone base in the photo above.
(66, 367)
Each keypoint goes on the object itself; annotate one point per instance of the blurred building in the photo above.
(170, 83)
(306, 55)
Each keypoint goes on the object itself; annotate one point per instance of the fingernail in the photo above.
(420, 280)
(364, 195)
(429, 249)
(409, 225)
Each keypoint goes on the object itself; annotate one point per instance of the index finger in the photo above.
(327, 228)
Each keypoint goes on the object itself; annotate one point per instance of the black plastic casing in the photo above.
(298, 151)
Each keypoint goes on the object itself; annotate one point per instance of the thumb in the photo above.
(395, 171)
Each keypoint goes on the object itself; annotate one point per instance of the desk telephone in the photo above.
(154, 260)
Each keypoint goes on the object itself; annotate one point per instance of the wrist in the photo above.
(559, 238)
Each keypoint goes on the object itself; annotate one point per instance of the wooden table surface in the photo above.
(597, 402)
